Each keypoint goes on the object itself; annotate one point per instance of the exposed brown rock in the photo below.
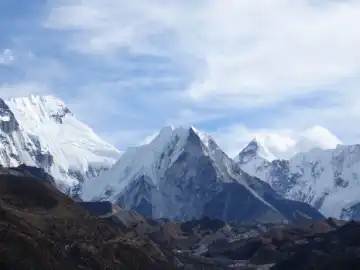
(40, 228)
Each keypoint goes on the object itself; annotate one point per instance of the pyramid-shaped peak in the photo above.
(254, 144)
(194, 129)
(255, 149)
(203, 136)
(182, 135)
(170, 131)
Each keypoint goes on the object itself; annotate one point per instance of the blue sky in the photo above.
(232, 68)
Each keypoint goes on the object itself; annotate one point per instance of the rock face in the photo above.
(41, 228)
(329, 180)
(8, 123)
(183, 174)
(40, 131)
(29, 171)
(98, 208)
(14, 145)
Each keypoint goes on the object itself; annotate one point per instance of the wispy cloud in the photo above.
(130, 67)
(252, 53)
(281, 143)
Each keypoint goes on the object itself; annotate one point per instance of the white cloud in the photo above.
(340, 115)
(279, 143)
(242, 55)
(255, 53)
(6, 57)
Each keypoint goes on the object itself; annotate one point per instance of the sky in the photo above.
(232, 68)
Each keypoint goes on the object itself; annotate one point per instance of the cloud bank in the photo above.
(217, 64)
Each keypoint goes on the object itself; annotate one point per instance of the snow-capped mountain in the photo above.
(328, 179)
(252, 150)
(41, 131)
(285, 144)
(183, 174)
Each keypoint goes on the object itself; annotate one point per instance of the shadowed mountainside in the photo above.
(40, 228)
(214, 244)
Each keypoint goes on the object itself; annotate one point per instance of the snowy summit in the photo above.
(44, 132)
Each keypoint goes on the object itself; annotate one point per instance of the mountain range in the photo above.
(182, 173)
(328, 179)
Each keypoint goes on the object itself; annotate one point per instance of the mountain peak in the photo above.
(33, 98)
(40, 108)
(255, 148)
(286, 144)
(153, 158)
(169, 132)
(49, 136)
(253, 143)
(205, 138)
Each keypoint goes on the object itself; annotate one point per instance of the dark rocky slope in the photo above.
(214, 244)
(335, 250)
(40, 228)
(30, 171)
(326, 245)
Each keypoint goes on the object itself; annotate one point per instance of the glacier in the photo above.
(41, 131)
